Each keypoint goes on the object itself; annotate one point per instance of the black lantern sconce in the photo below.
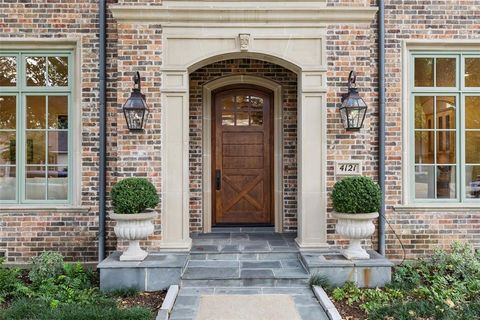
(353, 108)
(135, 109)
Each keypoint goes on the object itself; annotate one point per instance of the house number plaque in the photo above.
(348, 168)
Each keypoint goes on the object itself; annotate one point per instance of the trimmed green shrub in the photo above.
(356, 195)
(47, 265)
(39, 310)
(133, 195)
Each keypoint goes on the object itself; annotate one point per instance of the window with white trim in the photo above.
(445, 104)
(35, 103)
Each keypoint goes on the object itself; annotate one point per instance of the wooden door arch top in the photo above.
(242, 166)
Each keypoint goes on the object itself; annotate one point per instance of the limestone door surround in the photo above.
(289, 33)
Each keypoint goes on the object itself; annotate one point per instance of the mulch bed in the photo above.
(151, 300)
(350, 312)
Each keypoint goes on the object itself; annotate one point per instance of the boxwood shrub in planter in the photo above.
(133, 200)
(356, 201)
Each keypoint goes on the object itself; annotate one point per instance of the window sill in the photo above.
(43, 208)
(444, 207)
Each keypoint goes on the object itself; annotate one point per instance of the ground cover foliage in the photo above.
(57, 290)
(445, 287)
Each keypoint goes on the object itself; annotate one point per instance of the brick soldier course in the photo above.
(72, 230)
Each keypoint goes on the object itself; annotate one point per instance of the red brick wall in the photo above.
(139, 153)
(421, 231)
(355, 47)
(73, 232)
(267, 70)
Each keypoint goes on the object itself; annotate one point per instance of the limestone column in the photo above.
(175, 184)
(312, 228)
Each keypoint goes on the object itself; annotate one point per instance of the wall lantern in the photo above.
(135, 109)
(353, 108)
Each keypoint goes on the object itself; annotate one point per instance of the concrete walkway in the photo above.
(188, 301)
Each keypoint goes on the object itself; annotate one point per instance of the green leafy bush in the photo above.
(72, 286)
(448, 279)
(369, 299)
(445, 287)
(356, 195)
(39, 310)
(11, 285)
(133, 195)
(49, 264)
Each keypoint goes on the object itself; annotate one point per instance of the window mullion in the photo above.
(46, 144)
(435, 167)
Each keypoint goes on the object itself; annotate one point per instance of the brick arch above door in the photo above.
(247, 71)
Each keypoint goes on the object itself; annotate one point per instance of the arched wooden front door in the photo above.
(242, 143)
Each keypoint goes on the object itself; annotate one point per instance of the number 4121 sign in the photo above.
(348, 168)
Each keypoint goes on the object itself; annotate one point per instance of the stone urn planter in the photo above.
(133, 200)
(356, 202)
(134, 227)
(355, 227)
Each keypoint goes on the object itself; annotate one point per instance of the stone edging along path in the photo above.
(326, 303)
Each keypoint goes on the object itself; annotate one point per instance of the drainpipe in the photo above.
(381, 125)
(102, 130)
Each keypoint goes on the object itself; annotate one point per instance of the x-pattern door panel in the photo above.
(242, 148)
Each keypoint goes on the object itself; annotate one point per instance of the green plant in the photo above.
(72, 286)
(47, 265)
(320, 281)
(369, 299)
(133, 195)
(446, 287)
(11, 285)
(124, 292)
(356, 195)
(39, 310)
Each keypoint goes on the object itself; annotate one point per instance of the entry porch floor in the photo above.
(251, 261)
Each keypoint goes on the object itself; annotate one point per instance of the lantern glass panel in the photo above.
(135, 118)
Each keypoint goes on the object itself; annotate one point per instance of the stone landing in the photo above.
(242, 257)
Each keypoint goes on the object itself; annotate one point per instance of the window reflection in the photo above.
(8, 71)
(423, 72)
(242, 110)
(472, 72)
(36, 71)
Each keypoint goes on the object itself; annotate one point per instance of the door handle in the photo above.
(218, 179)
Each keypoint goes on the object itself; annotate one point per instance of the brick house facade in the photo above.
(428, 27)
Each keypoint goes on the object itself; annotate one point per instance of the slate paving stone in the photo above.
(312, 313)
(213, 263)
(256, 274)
(186, 302)
(260, 264)
(278, 243)
(248, 256)
(210, 273)
(185, 291)
(305, 300)
(180, 314)
(255, 247)
(238, 236)
(230, 248)
(290, 273)
(292, 263)
(205, 248)
(223, 256)
(238, 290)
